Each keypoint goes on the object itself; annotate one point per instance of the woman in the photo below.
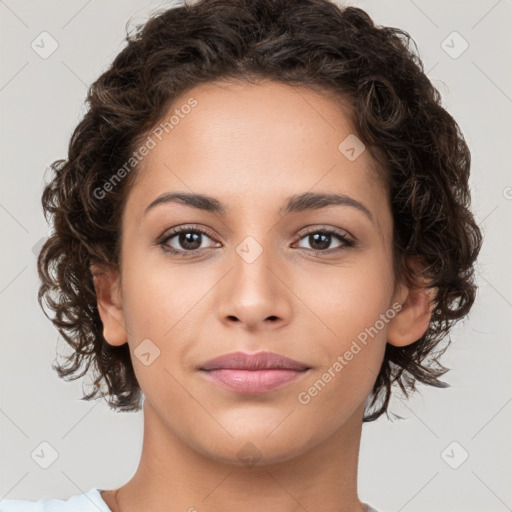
(262, 224)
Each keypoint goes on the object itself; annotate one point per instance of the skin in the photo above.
(251, 147)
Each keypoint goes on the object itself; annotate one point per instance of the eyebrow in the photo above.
(296, 203)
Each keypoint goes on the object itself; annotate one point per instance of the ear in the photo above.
(413, 320)
(106, 281)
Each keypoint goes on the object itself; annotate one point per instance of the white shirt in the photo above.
(90, 501)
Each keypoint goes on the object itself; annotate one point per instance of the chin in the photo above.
(256, 448)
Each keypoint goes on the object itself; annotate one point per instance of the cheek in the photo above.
(351, 351)
(158, 306)
(168, 307)
(350, 297)
(352, 306)
(157, 297)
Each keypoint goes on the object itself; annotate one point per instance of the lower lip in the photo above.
(253, 381)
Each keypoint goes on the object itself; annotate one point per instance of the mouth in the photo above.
(253, 373)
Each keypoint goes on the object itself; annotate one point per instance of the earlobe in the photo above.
(411, 323)
(106, 281)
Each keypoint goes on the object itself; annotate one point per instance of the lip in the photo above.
(253, 373)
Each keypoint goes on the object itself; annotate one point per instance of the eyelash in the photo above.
(347, 242)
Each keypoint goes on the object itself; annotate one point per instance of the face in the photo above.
(312, 282)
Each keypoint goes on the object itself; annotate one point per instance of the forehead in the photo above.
(248, 143)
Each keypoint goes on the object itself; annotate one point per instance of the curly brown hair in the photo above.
(394, 108)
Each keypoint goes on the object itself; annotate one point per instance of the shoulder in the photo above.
(90, 501)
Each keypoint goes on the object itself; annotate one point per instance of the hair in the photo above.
(395, 110)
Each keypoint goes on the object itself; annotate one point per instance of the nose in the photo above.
(256, 292)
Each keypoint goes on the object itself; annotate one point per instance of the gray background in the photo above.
(402, 466)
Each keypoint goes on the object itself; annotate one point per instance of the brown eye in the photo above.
(320, 241)
(185, 240)
(189, 240)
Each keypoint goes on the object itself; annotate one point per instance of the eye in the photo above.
(187, 241)
(320, 240)
(184, 239)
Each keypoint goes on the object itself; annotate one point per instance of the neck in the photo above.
(174, 477)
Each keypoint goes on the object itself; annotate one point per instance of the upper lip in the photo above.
(256, 361)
